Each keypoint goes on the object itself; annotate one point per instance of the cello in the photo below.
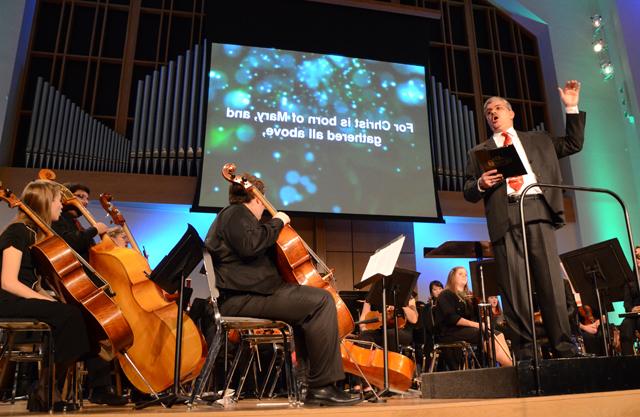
(294, 262)
(118, 219)
(65, 272)
(149, 364)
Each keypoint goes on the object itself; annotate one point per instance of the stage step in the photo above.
(557, 376)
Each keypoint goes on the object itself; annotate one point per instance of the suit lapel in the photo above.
(532, 149)
(490, 143)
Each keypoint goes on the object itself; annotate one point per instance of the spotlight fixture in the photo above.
(607, 70)
(598, 46)
(596, 21)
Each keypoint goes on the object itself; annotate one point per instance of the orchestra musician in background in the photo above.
(497, 317)
(69, 228)
(22, 295)
(405, 333)
(435, 288)
(630, 325)
(458, 316)
(81, 239)
(119, 237)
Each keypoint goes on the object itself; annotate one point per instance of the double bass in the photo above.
(149, 364)
(64, 270)
(295, 262)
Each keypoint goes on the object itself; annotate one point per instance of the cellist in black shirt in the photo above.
(242, 248)
(68, 227)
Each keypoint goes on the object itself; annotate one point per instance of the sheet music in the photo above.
(384, 260)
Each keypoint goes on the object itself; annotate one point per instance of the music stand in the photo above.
(489, 276)
(354, 301)
(400, 285)
(464, 249)
(596, 268)
(381, 264)
(170, 275)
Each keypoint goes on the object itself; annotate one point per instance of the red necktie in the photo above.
(514, 182)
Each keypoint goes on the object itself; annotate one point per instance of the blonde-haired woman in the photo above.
(19, 295)
(459, 317)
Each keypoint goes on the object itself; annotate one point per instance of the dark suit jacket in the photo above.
(242, 250)
(543, 151)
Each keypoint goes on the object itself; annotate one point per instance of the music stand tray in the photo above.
(461, 249)
(399, 284)
(382, 264)
(182, 259)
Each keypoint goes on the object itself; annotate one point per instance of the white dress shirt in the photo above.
(530, 177)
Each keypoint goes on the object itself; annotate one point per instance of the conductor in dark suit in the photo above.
(544, 212)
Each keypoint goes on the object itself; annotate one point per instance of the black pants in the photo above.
(98, 373)
(628, 329)
(545, 274)
(312, 312)
(67, 324)
(405, 337)
(454, 358)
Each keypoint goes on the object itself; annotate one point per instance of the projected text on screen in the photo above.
(327, 133)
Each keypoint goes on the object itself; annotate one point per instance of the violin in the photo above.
(294, 260)
(76, 282)
(391, 317)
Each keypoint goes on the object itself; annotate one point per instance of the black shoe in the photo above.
(369, 395)
(573, 355)
(329, 395)
(106, 396)
(36, 404)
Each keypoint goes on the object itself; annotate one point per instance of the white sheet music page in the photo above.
(384, 260)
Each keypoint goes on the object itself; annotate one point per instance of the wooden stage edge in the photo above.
(616, 403)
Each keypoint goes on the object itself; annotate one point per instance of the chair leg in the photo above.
(243, 378)
(205, 373)
(278, 367)
(50, 370)
(292, 384)
(231, 372)
(267, 377)
(434, 359)
(16, 379)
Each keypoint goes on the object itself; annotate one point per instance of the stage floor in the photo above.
(617, 403)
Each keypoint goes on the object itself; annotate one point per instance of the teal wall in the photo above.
(611, 150)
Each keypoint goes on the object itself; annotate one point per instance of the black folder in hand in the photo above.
(505, 159)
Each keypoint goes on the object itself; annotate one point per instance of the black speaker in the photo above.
(581, 375)
(471, 383)
(557, 376)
